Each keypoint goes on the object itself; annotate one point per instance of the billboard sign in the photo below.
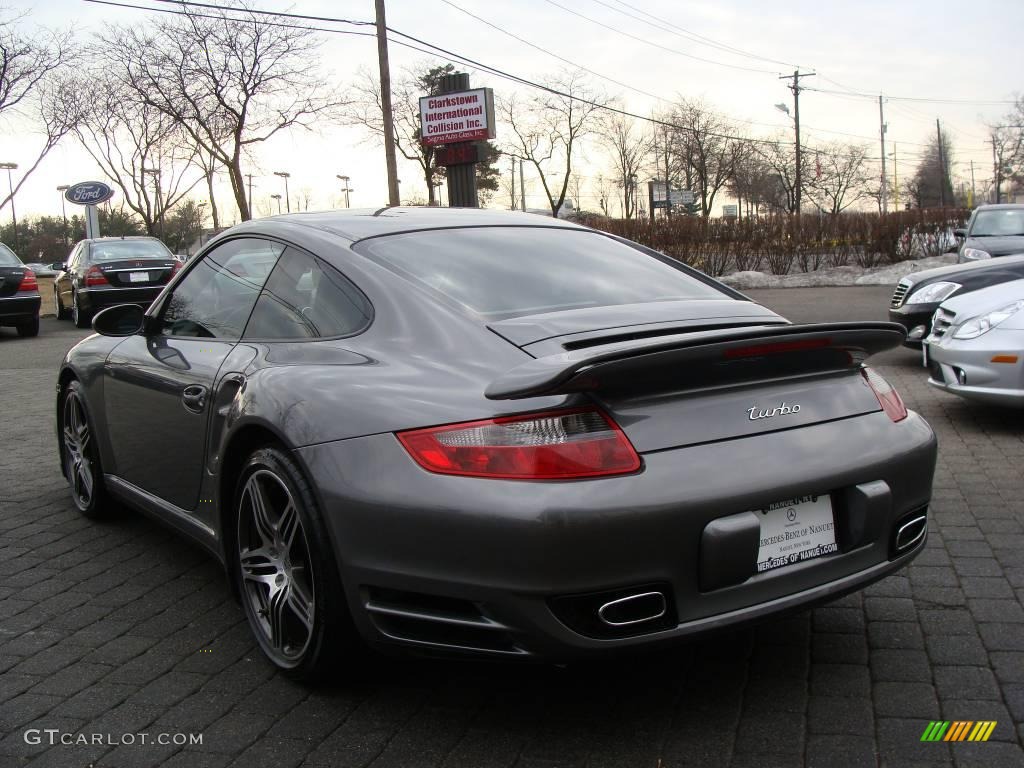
(88, 193)
(677, 196)
(730, 211)
(456, 117)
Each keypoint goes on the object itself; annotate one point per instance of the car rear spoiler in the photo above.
(705, 358)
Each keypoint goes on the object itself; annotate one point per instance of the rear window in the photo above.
(129, 249)
(7, 257)
(501, 272)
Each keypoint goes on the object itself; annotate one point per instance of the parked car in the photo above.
(919, 294)
(994, 230)
(19, 294)
(976, 347)
(106, 271)
(491, 433)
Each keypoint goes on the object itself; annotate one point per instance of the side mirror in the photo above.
(59, 266)
(961, 233)
(122, 320)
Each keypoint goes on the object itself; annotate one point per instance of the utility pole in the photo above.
(795, 88)
(513, 182)
(385, 104)
(882, 127)
(970, 203)
(522, 187)
(895, 179)
(346, 189)
(996, 174)
(249, 177)
(942, 165)
(668, 187)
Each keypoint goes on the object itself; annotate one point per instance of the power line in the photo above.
(653, 44)
(922, 99)
(686, 34)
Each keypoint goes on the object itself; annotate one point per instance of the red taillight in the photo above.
(175, 268)
(558, 445)
(28, 281)
(888, 397)
(95, 276)
(777, 348)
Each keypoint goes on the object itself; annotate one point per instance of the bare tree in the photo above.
(34, 88)
(231, 78)
(547, 127)
(142, 150)
(629, 148)
(840, 176)
(779, 160)
(703, 137)
(932, 178)
(603, 190)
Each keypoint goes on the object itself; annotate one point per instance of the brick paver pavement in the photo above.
(120, 627)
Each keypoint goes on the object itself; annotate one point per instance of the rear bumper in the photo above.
(18, 308)
(95, 299)
(460, 564)
(917, 319)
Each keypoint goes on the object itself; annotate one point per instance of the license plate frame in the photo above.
(795, 531)
(138, 277)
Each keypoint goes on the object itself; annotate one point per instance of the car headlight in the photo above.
(974, 254)
(934, 292)
(976, 326)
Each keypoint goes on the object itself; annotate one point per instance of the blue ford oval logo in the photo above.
(88, 193)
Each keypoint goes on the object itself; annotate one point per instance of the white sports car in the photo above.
(976, 346)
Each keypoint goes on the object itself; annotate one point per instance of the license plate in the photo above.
(794, 531)
(138, 277)
(924, 354)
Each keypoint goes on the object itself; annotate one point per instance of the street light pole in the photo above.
(895, 178)
(155, 173)
(64, 211)
(285, 175)
(795, 88)
(14, 219)
(278, 198)
(346, 189)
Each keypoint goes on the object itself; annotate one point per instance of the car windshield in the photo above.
(128, 249)
(998, 223)
(501, 272)
(7, 257)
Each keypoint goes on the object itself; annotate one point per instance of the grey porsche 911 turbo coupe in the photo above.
(493, 434)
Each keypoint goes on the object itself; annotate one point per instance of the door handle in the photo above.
(193, 397)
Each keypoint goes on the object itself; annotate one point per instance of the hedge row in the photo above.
(779, 244)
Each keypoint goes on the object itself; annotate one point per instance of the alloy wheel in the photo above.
(78, 451)
(274, 560)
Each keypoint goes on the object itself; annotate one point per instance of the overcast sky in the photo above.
(916, 48)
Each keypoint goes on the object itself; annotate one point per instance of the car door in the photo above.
(159, 385)
(64, 282)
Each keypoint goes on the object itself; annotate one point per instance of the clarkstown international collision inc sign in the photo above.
(455, 117)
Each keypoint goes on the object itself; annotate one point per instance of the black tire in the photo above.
(58, 308)
(286, 573)
(81, 460)
(81, 317)
(29, 327)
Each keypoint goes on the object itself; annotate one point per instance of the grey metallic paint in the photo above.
(507, 546)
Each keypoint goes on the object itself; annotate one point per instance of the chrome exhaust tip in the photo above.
(633, 609)
(911, 532)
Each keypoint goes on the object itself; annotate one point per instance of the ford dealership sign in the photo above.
(88, 193)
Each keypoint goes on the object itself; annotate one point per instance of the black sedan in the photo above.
(994, 230)
(919, 294)
(19, 294)
(106, 271)
(492, 433)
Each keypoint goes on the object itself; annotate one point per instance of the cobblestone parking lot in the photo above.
(120, 628)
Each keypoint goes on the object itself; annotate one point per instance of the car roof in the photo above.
(117, 238)
(1000, 207)
(358, 224)
(983, 265)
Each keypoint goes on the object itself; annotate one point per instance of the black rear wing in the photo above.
(707, 358)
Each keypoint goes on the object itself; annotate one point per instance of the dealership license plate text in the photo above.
(794, 531)
(138, 277)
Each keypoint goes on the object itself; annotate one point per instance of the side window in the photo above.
(215, 298)
(306, 298)
(72, 261)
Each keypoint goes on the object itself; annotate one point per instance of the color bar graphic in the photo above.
(958, 730)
